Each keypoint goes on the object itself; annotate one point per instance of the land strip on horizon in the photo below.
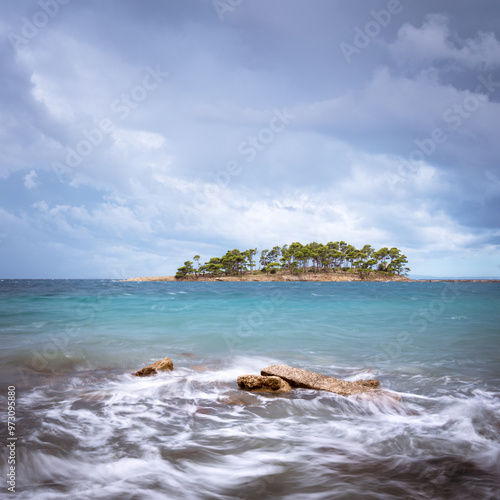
(314, 277)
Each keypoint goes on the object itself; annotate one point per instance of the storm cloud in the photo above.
(135, 135)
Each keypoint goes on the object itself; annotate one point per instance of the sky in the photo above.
(136, 134)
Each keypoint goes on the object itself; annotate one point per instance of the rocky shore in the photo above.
(287, 277)
(330, 277)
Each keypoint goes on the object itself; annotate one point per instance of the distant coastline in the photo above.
(458, 280)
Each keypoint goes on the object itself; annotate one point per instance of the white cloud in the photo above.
(30, 180)
(114, 220)
(434, 42)
(363, 207)
(47, 92)
(138, 139)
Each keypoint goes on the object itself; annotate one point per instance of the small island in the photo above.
(333, 261)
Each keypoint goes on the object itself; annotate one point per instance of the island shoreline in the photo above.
(317, 277)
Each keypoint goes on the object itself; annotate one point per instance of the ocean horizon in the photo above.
(86, 428)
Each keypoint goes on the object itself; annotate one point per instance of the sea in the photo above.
(78, 425)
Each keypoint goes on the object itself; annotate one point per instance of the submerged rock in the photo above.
(239, 398)
(297, 377)
(161, 365)
(263, 383)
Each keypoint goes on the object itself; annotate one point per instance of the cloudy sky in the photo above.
(136, 134)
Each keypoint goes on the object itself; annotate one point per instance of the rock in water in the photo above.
(161, 365)
(263, 383)
(147, 371)
(164, 364)
(297, 377)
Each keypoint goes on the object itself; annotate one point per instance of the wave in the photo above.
(192, 433)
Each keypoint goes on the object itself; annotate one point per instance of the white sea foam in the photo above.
(161, 433)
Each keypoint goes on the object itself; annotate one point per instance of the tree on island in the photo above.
(297, 258)
(185, 270)
(196, 258)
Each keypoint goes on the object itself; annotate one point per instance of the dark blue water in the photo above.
(87, 429)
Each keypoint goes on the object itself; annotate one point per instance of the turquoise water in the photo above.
(87, 429)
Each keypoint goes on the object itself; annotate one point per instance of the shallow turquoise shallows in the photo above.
(88, 429)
